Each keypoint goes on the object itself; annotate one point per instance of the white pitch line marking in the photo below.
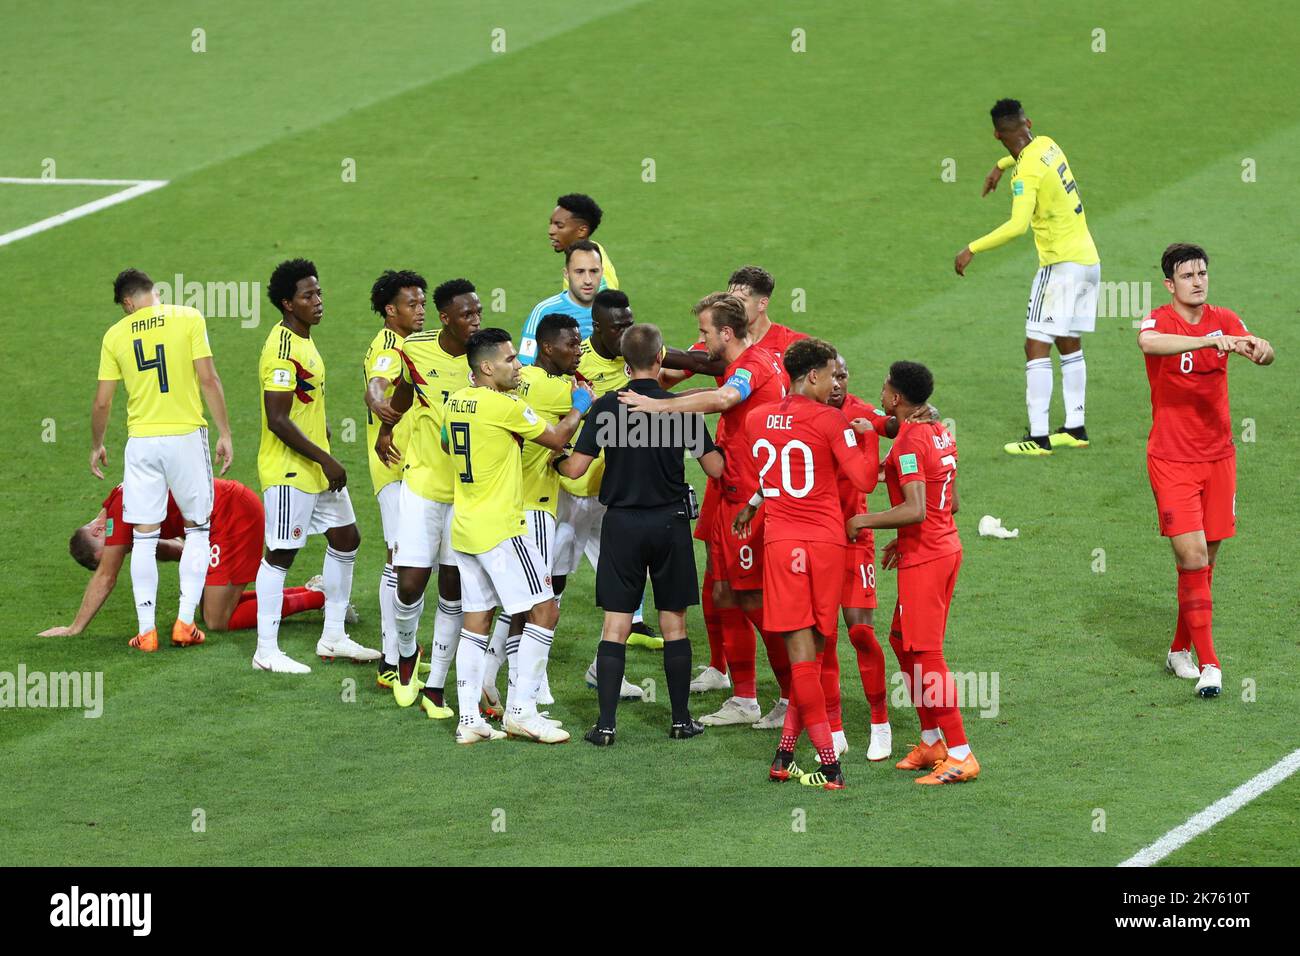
(136, 187)
(1216, 812)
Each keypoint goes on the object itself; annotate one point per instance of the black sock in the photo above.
(406, 667)
(677, 668)
(610, 657)
(1080, 433)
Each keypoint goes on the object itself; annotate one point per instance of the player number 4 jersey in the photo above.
(925, 451)
(152, 351)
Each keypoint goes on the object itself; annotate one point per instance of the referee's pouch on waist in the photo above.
(692, 503)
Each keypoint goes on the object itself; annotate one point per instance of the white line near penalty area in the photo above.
(1216, 812)
(135, 187)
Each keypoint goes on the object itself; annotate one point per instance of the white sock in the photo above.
(270, 602)
(930, 737)
(1074, 385)
(534, 649)
(338, 588)
(884, 726)
(446, 635)
(469, 675)
(960, 752)
(388, 613)
(512, 669)
(406, 621)
(194, 570)
(1038, 394)
(785, 701)
(544, 686)
(144, 577)
(749, 702)
(496, 652)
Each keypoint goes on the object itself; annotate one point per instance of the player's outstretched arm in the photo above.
(99, 412)
(557, 436)
(695, 361)
(214, 396)
(98, 588)
(911, 510)
(707, 401)
(575, 465)
(1152, 342)
(278, 406)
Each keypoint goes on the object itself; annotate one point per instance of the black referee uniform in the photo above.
(646, 529)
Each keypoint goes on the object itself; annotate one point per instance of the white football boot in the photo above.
(733, 711)
(710, 678)
(1180, 664)
(774, 719)
(882, 742)
(626, 692)
(332, 648)
(534, 727)
(1211, 681)
(841, 743)
(279, 662)
(477, 733)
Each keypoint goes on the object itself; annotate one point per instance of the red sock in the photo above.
(713, 625)
(908, 664)
(792, 729)
(830, 661)
(296, 600)
(939, 681)
(738, 638)
(871, 668)
(806, 677)
(1182, 637)
(1196, 608)
(777, 656)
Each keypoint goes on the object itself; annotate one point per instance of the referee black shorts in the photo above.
(635, 542)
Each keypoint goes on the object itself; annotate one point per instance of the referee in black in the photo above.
(647, 526)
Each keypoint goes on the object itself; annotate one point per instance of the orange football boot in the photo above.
(923, 756)
(952, 770)
(186, 635)
(147, 642)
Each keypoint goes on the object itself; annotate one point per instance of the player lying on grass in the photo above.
(102, 544)
(1190, 455)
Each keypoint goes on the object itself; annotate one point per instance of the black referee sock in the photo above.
(610, 658)
(677, 668)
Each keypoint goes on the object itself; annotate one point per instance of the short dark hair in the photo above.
(607, 299)
(1006, 109)
(753, 277)
(552, 325)
(583, 245)
(443, 295)
(913, 380)
(805, 355)
(583, 207)
(641, 346)
(285, 279)
(81, 547)
(482, 342)
(725, 311)
(128, 283)
(1180, 252)
(386, 287)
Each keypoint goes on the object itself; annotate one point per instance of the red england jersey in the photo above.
(853, 501)
(800, 448)
(777, 339)
(760, 379)
(117, 531)
(924, 451)
(1189, 391)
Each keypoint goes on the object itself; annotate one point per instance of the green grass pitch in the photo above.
(826, 167)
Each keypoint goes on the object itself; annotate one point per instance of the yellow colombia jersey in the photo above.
(153, 351)
(605, 375)
(435, 376)
(1044, 195)
(485, 432)
(384, 360)
(551, 397)
(290, 363)
(608, 277)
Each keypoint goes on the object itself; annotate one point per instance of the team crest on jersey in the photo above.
(304, 387)
(297, 532)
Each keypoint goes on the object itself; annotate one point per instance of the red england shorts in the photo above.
(800, 581)
(859, 576)
(704, 524)
(924, 596)
(235, 538)
(1195, 496)
(738, 561)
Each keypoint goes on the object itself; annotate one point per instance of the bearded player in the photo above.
(1190, 456)
(921, 475)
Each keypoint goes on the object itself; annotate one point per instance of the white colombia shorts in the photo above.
(1063, 301)
(156, 464)
(511, 576)
(293, 514)
(541, 528)
(423, 531)
(389, 499)
(577, 531)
